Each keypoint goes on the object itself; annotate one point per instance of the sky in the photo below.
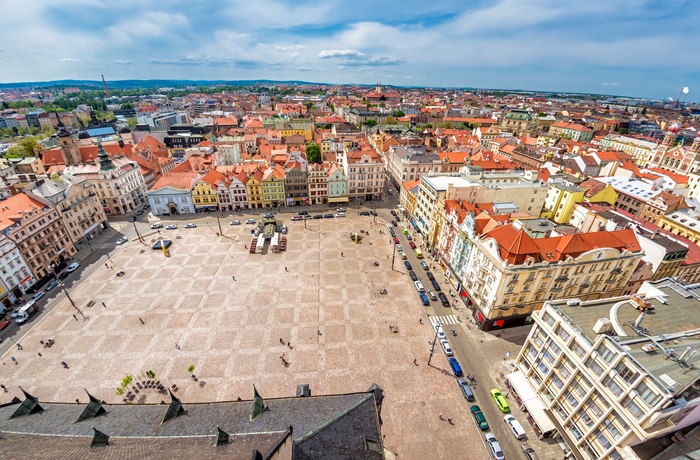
(633, 48)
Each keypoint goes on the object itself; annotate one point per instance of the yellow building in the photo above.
(254, 189)
(204, 192)
(273, 186)
(682, 222)
(560, 202)
(302, 126)
(407, 196)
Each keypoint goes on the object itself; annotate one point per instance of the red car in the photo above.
(4, 324)
(297, 218)
(396, 240)
(412, 244)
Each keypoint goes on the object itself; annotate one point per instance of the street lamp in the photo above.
(393, 257)
(221, 232)
(65, 291)
(137, 232)
(432, 349)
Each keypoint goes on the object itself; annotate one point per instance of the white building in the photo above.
(172, 193)
(15, 274)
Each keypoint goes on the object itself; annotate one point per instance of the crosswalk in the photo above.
(444, 319)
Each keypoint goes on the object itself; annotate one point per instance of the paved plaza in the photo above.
(230, 330)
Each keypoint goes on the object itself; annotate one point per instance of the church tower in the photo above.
(670, 137)
(695, 148)
(379, 88)
(69, 146)
(106, 164)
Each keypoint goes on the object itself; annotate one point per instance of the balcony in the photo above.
(611, 281)
(556, 289)
(616, 271)
(585, 285)
(562, 278)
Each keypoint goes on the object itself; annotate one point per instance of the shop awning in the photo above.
(340, 199)
(528, 398)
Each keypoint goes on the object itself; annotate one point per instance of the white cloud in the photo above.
(69, 59)
(348, 54)
(610, 84)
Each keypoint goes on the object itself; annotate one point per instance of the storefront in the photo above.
(530, 404)
(338, 201)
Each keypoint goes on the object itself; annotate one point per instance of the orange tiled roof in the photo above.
(12, 209)
(516, 246)
(177, 180)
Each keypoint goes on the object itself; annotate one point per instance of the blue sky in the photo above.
(627, 47)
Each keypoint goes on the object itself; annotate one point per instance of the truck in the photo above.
(26, 311)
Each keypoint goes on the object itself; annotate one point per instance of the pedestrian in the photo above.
(420, 320)
(75, 317)
(318, 331)
(3, 387)
(342, 255)
(106, 265)
(234, 278)
(14, 360)
(507, 354)
(177, 347)
(19, 347)
(141, 321)
(103, 304)
(441, 417)
(414, 361)
(39, 355)
(281, 341)
(449, 420)
(285, 269)
(246, 246)
(288, 344)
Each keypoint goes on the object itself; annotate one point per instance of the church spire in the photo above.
(105, 161)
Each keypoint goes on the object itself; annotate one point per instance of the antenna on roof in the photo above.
(104, 83)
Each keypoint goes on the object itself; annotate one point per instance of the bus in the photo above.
(419, 254)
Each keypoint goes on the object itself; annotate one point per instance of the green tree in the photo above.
(313, 152)
(399, 113)
(27, 147)
(622, 131)
(127, 105)
(328, 126)
(371, 122)
(644, 111)
(131, 122)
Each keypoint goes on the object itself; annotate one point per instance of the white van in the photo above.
(156, 225)
(514, 426)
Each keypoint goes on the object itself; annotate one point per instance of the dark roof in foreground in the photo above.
(328, 427)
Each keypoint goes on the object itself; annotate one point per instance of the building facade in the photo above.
(16, 276)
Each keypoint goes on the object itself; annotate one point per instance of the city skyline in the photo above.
(622, 48)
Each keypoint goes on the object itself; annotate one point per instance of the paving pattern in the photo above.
(227, 310)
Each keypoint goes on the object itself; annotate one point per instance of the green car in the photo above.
(500, 401)
(479, 417)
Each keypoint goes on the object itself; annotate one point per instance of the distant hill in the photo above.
(123, 84)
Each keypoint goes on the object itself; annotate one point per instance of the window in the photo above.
(563, 333)
(593, 365)
(606, 354)
(549, 319)
(633, 407)
(647, 394)
(612, 386)
(627, 374)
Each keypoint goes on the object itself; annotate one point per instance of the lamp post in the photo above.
(221, 232)
(432, 349)
(65, 291)
(137, 232)
(393, 257)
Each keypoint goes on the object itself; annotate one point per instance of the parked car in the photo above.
(328, 216)
(408, 237)
(514, 426)
(171, 227)
(424, 265)
(235, 222)
(446, 347)
(393, 213)
(430, 276)
(443, 299)
(364, 213)
(403, 255)
(438, 331)
(399, 247)
(374, 213)
(500, 400)
(250, 221)
(38, 295)
(340, 214)
(466, 390)
(72, 267)
(132, 219)
(392, 233)
(341, 209)
(4, 324)
(269, 216)
(436, 285)
(479, 417)
(15, 312)
(413, 275)
(419, 286)
(394, 223)
(424, 299)
(139, 212)
(405, 231)
(494, 447)
(318, 216)
(295, 218)
(412, 244)
(156, 225)
(408, 265)
(148, 206)
(529, 452)
(165, 214)
(190, 225)
(122, 240)
(63, 275)
(51, 285)
(396, 240)
(432, 296)
(307, 217)
(303, 213)
(456, 368)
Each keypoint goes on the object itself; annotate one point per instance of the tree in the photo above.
(399, 113)
(622, 131)
(313, 152)
(131, 122)
(644, 111)
(371, 122)
(27, 147)
(328, 126)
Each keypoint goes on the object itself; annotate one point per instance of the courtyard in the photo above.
(213, 305)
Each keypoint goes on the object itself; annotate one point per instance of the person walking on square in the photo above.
(103, 304)
(177, 347)
(234, 277)
(285, 269)
(141, 321)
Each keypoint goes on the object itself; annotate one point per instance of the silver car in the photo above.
(494, 446)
